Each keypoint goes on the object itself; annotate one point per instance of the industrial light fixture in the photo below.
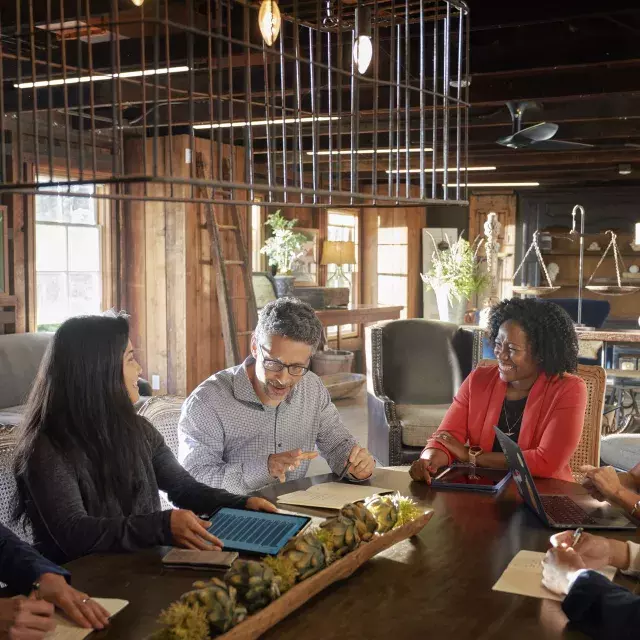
(262, 123)
(494, 184)
(269, 21)
(107, 76)
(362, 46)
(441, 170)
(365, 152)
(624, 169)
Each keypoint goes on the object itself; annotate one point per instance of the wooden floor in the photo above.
(353, 412)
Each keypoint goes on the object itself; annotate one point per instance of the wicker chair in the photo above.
(588, 451)
(163, 412)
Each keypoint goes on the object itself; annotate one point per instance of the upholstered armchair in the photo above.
(414, 368)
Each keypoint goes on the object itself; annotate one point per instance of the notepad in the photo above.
(332, 495)
(523, 577)
(67, 630)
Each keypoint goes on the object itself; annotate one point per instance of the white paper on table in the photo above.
(331, 495)
(523, 576)
(67, 630)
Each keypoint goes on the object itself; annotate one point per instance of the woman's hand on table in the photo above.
(596, 552)
(260, 504)
(191, 532)
(560, 568)
(25, 618)
(84, 611)
(427, 465)
(602, 483)
(455, 447)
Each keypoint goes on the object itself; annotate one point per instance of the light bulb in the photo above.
(269, 21)
(138, 3)
(362, 53)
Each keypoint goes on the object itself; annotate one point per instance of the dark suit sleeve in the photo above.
(183, 490)
(20, 564)
(602, 609)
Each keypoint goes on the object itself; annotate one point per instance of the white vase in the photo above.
(450, 310)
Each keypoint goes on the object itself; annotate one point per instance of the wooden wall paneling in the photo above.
(416, 220)
(369, 264)
(156, 280)
(134, 245)
(175, 260)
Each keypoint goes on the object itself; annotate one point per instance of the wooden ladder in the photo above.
(220, 264)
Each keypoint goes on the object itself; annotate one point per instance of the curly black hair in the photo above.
(549, 328)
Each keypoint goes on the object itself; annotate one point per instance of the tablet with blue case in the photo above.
(255, 531)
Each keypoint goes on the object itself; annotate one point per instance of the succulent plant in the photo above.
(255, 582)
(343, 533)
(220, 603)
(385, 510)
(366, 523)
(306, 553)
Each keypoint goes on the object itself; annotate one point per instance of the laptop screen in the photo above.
(521, 473)
(255, 531)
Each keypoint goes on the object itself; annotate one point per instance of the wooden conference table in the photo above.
(437, 585)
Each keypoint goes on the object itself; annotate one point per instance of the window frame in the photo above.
(347, 331)
(106, 231)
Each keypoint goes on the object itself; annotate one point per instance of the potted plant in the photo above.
(282, 249)
(455, 277)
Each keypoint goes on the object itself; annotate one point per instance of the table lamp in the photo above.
(338, 252)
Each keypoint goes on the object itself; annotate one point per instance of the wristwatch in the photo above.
(474, 452)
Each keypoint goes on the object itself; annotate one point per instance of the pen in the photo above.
(576, 537)
(344, 471)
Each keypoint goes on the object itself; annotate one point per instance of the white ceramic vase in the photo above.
(450, 310)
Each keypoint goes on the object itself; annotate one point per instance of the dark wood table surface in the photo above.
(437, 585)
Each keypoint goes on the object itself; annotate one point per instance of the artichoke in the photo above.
(385, 511)
(306, 553)
(255, 582)
(366, 523)
(344, 536)
(220, 603)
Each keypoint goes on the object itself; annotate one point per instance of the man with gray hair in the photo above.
(262, 421)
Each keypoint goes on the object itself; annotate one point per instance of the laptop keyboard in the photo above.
(563, 510)
(240, 528)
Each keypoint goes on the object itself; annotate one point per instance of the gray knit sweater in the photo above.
(70, 521)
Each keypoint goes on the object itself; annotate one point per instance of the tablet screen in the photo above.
(255, 531)
(464, 476)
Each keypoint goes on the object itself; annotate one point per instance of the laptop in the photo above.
(255, 531)
(558, 511)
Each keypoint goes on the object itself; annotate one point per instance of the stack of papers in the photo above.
(523, 577)
(332, 495)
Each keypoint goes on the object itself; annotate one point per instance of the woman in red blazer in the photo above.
(530, 394)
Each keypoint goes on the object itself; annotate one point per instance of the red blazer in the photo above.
(551, 425)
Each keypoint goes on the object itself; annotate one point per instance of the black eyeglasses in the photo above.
(270, 364)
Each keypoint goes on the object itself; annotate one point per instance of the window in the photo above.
(68, 256)
(392, 266)
(343, 226)
(257, 238)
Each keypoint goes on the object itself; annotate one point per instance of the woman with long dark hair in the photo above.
(88, 467)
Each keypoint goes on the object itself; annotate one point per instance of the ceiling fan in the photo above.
(538, 136)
